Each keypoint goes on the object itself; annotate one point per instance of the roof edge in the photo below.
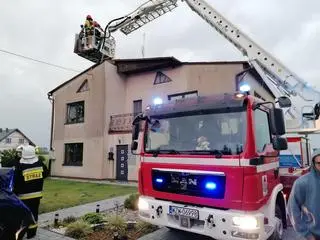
(115, 61)
(73, 78)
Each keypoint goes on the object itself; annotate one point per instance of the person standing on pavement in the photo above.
(30, 173)
(15, 216)
(304, 202)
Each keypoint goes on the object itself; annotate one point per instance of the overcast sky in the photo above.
(44, 30)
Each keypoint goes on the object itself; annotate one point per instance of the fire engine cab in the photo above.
(209, 165)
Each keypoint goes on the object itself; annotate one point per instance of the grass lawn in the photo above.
(59, 194)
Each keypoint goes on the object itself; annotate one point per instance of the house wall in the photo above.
(90, 133)
(112, 93)
(256, 87)
(205, 78)
(15, 141)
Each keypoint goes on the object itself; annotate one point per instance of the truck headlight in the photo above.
(143, 204)
(245, 222)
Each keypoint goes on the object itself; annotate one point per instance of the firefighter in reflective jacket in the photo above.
(28, 182)
(89, 28)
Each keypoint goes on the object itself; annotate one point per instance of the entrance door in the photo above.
(122, 162)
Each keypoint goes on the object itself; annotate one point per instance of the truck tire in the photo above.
(278, 232)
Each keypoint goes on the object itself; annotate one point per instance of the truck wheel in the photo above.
(278, 231)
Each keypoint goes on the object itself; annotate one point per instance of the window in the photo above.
(84, 86)
(137, 107)
(219, 132)
(258, 96)
(262, 129)
(21, 140)
(8, 140)
(183, 95)
(75, 112)
(73, 154)
(161, 78)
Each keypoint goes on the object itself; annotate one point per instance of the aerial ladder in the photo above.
(302, 116)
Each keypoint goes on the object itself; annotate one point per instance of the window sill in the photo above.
(71, 165)
(72, 123)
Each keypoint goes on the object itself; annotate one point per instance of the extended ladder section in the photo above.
(270, 69)
(146, 13)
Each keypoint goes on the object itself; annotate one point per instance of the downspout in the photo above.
(51, 131)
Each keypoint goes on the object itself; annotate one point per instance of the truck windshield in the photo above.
(216, 133)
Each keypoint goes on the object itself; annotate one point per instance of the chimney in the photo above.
(7, 130)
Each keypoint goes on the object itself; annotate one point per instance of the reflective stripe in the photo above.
(32, 174)
(30, 195)
(32, 169)
(196, 161)
(234, 162)
(33, 226)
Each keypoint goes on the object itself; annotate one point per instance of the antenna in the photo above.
(143, 45)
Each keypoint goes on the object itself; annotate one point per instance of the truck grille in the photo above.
(189, 182)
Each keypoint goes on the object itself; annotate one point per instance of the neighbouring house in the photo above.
(92, 112)
(12, 138)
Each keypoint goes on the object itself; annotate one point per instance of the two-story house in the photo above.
(92, 112)
(12, 138)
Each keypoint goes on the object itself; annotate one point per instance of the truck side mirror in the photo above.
(134, 146)
(279, 143)
(277, 121)
(135, 136)
(284, 102)
(135, 131)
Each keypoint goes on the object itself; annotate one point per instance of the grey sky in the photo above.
(290, 29)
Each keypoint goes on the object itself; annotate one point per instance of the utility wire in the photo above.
(39, 61)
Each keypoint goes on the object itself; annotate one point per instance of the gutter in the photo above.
(50, 97)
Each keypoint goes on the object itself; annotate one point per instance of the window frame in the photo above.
(71, 163)
(133, 105)
(255, 129)
(183, 94)
(72, 104)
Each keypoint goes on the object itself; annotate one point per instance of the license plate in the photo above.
(184, 212)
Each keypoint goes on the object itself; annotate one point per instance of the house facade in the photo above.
(12, 138)
(92, 113)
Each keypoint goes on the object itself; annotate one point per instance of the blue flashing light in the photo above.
(159, 180)
(157, 101)
(244, 87)
(211, 186)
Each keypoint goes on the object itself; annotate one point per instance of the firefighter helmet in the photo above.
(28, 152)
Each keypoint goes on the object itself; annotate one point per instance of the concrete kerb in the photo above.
(119, 183)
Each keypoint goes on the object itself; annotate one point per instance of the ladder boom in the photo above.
(280, 75)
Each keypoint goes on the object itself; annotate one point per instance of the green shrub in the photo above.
(78, 230)
(42, 158)
(116, 223)
(145, 228)
(9, 158)
(132, 202)
(70, 219)
(92, 218)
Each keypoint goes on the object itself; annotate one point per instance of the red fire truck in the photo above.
(210, 165)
